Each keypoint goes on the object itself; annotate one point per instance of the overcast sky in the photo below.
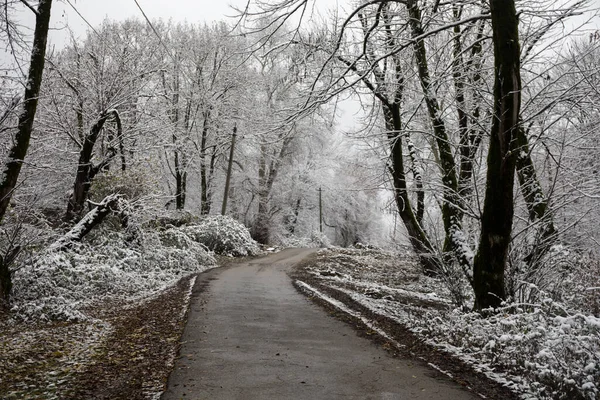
(95, 11)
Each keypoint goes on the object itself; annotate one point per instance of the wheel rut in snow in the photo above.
(251, 335)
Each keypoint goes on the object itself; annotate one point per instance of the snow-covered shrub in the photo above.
(549, 355)
(133, 184)
(319, 239)
(584, 286)
(223, 235)
(316, 239)
(170, 218)
(175, 237)
(563, 274)
(293, 241)
(61, 285)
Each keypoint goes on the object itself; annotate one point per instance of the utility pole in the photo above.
(320, 211)
(227, 180)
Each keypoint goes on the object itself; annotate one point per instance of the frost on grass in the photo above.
(543, 350)
(44, 358)
(60, 285)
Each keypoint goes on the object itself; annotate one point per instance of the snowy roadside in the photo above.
(103, 320)
(126, 352)
(539, 353)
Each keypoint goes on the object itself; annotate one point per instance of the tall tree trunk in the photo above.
(267, 173)
(416, 235)
(205, 201)
(86, 172)
(458, 76)
(294, 220)
(179, 171)
(261, 225)
(418, 178)
(18, 151)
(452, 208)
(179, 178)
(535, 200)
(498, 208)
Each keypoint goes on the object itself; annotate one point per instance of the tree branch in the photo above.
(30, 7)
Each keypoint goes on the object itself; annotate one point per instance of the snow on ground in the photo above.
(121, 266)
(542, 351)
(61, 285)
(64, 303)
(45, 357)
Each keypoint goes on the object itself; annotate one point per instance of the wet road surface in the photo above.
(251, 335)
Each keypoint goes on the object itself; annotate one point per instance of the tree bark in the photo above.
(261, 225)
(17, 153)
(87, 223)
(86, 172)
(498, 208)
(535, 200)
(418, 178)
(205, 198)
(267, 173)
(452, 208)
(416, 235)
(6, 262)
(179, 171)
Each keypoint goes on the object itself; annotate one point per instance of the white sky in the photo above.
(95, 11)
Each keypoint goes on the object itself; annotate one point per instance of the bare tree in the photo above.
(18, 151)
(86, 171)
(498, 209)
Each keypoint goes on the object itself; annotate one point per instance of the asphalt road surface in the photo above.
(251, 335)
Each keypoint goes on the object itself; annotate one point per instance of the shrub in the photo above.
(223, 235)
(133, 184)
(62, 285)
(316, 239)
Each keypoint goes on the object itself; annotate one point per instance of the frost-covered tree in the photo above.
(454, 53)
(26, 117)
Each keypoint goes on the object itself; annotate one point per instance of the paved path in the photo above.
(251, 335)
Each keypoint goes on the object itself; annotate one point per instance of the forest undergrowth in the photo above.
(546, 349)
(103, 319)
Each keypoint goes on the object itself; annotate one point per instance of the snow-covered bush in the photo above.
(61, 285)
(223, 235)
(544, 349)
(132, 184)
(564, 274)
(316, 239)
(170, 218)
(319, 239)
(293, 241)
(550, 355)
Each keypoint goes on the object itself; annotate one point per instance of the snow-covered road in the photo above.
(251, 335)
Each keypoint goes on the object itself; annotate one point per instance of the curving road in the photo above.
(251, 335)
